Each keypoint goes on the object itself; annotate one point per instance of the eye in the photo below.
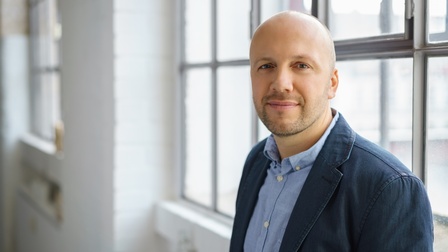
(266, 66)
(302, 66)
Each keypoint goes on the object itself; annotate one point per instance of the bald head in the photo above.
(296, 25)
(293, 79)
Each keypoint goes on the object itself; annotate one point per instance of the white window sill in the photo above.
(41, 173)
(41, 156)
(39, 144)
(192, 229)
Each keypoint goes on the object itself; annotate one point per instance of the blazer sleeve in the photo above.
(399, 218)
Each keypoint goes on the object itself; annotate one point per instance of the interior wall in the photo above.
(145, 98)
(13, 109)
(118, 108)
(88, 114)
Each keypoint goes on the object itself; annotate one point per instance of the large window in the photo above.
(217, 109)
(45, 34)
(392, 57)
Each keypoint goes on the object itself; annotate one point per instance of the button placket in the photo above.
(266, 224)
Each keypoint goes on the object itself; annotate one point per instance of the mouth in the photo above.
(282, 105)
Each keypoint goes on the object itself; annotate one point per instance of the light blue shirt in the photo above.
(278, 195)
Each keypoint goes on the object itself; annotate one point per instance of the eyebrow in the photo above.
(306, 57)
(301, 57)
(256, 62)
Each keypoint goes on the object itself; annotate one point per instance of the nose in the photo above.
(283, 81)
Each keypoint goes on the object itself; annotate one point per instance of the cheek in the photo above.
(313, 90)
(257, 96)
(258, 89)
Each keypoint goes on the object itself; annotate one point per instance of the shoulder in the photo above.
(365, 165)
(374, 173)
(372, 156)
(387, 190)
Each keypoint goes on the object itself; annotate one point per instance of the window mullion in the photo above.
(419, 116)
(214, 110)
(320, 9)
(419, 90)
(388, 46)
(255, 16)
(255, 19)
(419, 23)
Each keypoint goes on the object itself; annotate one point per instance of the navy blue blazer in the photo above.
(357, 197)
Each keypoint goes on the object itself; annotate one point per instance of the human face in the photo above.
(292, 81)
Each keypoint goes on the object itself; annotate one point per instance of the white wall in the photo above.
(13, 123)
(13, 109)
(144, 99)
(118, 96)
(88, 114)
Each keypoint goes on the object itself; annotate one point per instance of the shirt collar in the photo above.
(302, 159)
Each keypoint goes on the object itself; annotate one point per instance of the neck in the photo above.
(291, 145)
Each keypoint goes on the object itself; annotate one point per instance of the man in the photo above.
(314, 184)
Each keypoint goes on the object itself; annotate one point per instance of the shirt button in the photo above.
(266, 224)
(298, 168)
(279, 178)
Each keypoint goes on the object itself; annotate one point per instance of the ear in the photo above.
(334, 82)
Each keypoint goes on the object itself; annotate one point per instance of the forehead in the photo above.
(279, 46)
(289, 35)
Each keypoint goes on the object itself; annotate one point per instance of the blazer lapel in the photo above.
(320, 185)
(248, 197)
(316, 192)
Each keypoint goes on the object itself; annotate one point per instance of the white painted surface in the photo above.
(191, 230)
(118, 105)
(13, 123)
(118, 110)
(144, 112)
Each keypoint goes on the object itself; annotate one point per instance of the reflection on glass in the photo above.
(375, 97)
(198, 133)
(437, 148)
(233, 29)
(366, 18)
(437, 20)
(234, 132)
(197, 31)
(270, 7)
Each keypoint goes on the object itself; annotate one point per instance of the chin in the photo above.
(284, 131)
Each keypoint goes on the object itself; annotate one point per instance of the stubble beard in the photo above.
(283, 129)
(305, 119)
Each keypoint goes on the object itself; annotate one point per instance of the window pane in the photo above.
(198, 135)
(55, 34)
(375, 96)
(270, 7)
(437, 20)
(234, 132)
(233, 29)
(197, 31)
(366, 18)
(263, 132)
(49, 103)
(45, 34)
(437, 148)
